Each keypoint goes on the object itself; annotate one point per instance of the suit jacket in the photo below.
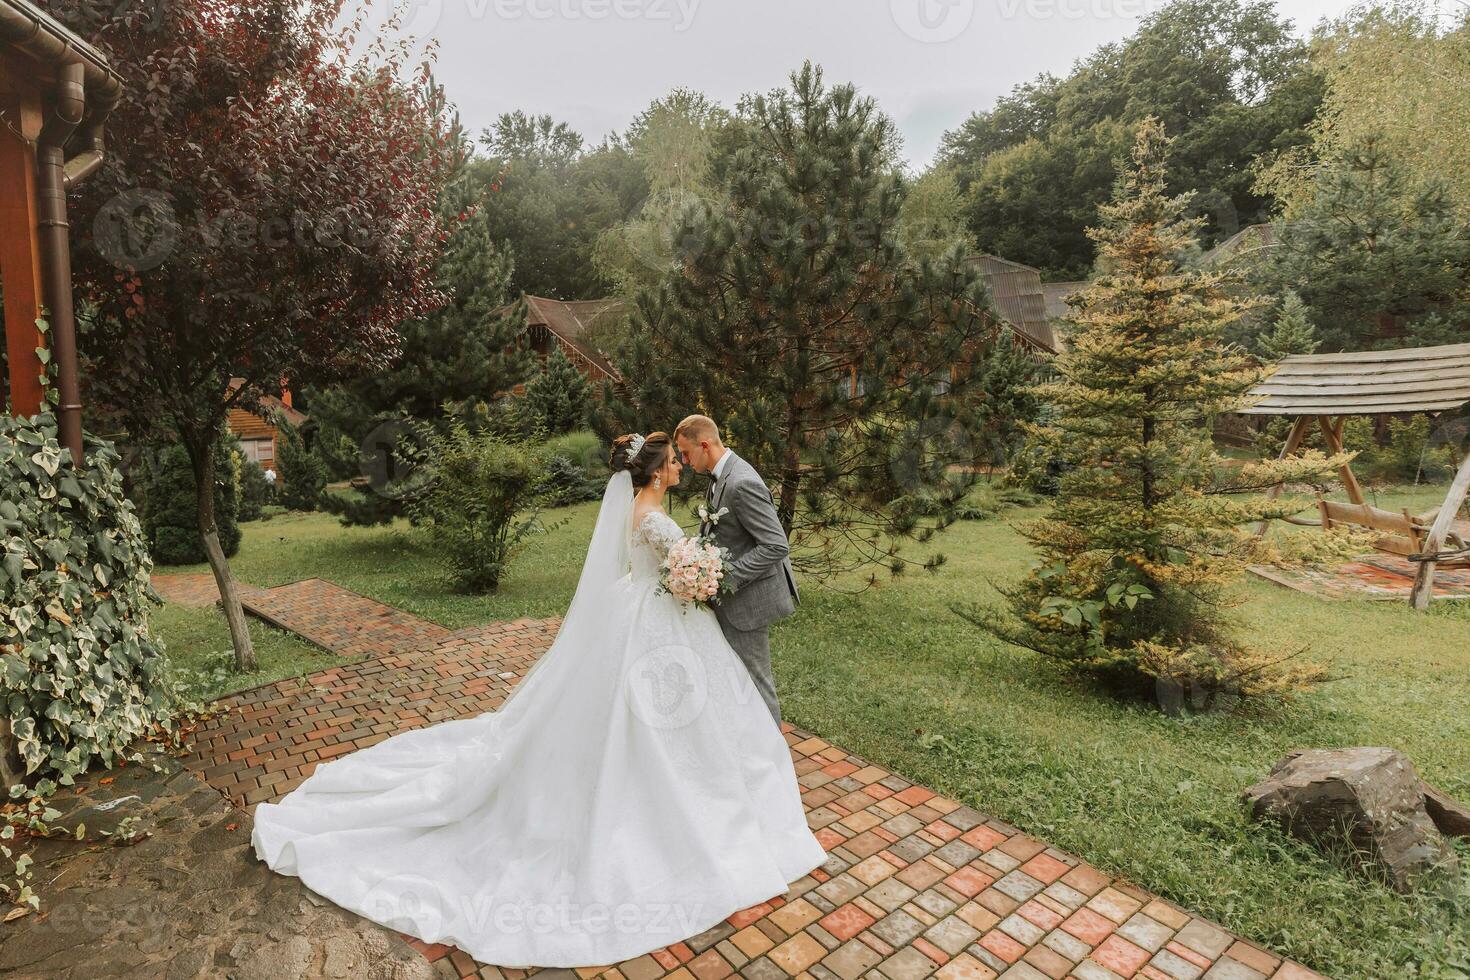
(760, 568)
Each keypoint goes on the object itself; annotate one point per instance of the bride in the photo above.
(632, 791)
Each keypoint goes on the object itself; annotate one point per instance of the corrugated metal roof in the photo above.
(1054, 295)
(1015, 292)
(1414, 379)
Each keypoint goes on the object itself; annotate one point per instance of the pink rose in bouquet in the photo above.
(694, 570)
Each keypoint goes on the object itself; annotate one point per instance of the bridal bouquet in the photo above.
(694, 570)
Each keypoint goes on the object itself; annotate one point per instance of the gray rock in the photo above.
(1452, 818)
(191, 964)
(291, 958)
(341, 957)
(1370, 798)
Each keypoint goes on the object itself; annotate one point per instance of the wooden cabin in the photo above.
(553, 323)
(56, 92)
(259, 437)
(1018, 298)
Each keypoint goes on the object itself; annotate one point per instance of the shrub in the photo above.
(170, 510)
(255, 492)
(303, 475)
(510, 417)
(567, 483)
(479, 508)
(81, 675)
(1035, 467)
(584, 449)
(1357, 436)
(1408, 452)
(558, 396)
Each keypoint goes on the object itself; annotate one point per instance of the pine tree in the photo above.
(467, 352)
(558, 396)
(1373, 250)
(462, 357)
(837, 365)
(1143, 538)
(1291, 333)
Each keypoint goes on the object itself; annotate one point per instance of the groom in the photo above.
(764, 587)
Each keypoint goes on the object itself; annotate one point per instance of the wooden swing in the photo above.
(1326, 389)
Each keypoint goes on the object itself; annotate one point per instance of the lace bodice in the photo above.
(652, 539)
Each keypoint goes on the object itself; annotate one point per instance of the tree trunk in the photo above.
(201, 455)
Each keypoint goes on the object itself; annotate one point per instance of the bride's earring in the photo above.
(658, 483)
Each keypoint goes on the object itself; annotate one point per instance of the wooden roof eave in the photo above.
(1424, 379)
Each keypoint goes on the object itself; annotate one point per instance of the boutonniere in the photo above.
(705, 517)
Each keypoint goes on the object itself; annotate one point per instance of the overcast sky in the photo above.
(595, 63)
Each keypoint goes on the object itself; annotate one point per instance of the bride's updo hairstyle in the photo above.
(646, 462)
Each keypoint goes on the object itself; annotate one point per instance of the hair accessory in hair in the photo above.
(635, 444)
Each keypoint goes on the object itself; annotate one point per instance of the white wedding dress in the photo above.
(632, 790)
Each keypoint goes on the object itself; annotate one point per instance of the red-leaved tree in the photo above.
(267, 213)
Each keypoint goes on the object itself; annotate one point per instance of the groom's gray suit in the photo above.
(759, 571)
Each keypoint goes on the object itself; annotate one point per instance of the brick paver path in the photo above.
(915, 884)
(194, 590)
(323, 612)
(339, 620)
(1376, 577)
(276, 733)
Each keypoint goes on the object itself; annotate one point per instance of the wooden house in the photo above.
(1018, 298)
(56, 92)
(553, 323)
(259, 437)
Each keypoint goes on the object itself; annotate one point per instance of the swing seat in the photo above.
(1404, 533)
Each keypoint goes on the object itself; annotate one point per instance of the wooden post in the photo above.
(1424, 579)
(1332, 432)
(20, 249)
(1293, 440)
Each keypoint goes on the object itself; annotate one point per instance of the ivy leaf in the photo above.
(49, 459)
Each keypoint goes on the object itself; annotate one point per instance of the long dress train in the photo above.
(632, 790)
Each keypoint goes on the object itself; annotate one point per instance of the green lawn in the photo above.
(892, 675)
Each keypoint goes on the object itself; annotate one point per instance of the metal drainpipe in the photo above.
(87, 92)
(62, 121)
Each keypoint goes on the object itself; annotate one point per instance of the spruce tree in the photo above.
(1291, 333)
(303, 476)
(558, 397)
(839, 366)
(169, 502)
(1144, 536)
